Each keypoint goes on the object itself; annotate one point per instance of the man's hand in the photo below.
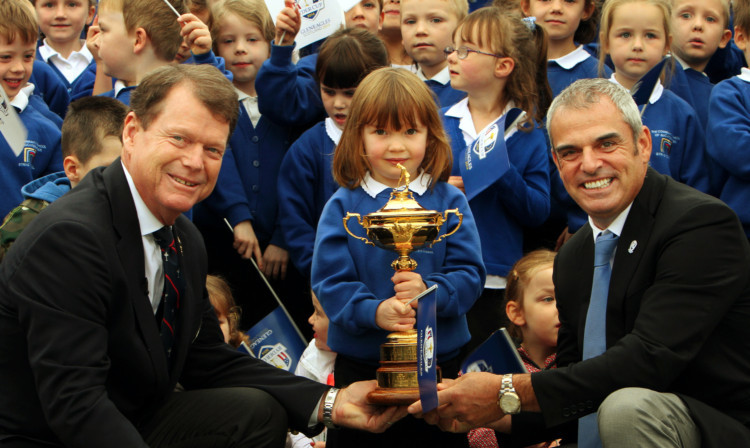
(407, 285)
(352, 410)
(393, 315)
(195, 34)
(288, 23)
(246, 243)
(465, 403)
(275, 260)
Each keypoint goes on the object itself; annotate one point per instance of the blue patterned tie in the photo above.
(595, 332)
(173, 287)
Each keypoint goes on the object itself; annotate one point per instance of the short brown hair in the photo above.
(741, 10)
(87, 122)
(347, 56)
(208, 85)
(156, 18)
(391, 98)
(459, 7)
(519, 277)
(18, 18)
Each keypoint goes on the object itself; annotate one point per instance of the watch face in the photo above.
(510, 404)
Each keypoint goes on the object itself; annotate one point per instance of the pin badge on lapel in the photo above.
(631, 249)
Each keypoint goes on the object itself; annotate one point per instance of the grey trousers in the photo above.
(637, 417)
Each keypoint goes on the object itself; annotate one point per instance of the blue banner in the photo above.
(275, 341)
(426, 352)
(497, 354)
(643, 89)
(486, 159)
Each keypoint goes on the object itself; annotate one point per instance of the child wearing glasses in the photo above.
(500, 61)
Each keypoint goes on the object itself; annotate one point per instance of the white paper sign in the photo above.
(11, 126)
(320, 18)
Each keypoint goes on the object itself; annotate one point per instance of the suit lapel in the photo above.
(630, 249)
(130, 251)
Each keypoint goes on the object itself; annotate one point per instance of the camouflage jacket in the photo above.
(17, 220)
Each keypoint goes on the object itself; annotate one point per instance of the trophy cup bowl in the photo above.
(402, 226)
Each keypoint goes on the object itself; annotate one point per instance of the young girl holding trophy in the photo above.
(393, 120)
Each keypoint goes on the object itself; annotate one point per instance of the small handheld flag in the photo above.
(11, 126)
(645, 86)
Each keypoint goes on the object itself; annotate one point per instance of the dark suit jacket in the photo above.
(81, 360)
(678, 314)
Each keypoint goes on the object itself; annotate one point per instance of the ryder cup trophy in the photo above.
(402, 225)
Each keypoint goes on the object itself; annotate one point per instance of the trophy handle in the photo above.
(350, 215)
(460, 220)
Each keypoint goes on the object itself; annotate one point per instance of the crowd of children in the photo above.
(321, 136)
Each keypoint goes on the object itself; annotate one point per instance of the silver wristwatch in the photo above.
(328, 401)
(507, 398)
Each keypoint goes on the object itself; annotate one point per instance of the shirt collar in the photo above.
(655, 95)
(22, 97)
(334, 133)
(119, 86)
(443, 76)
(572, 59)
(615, 227)
(418, 185)
(243, 96)
(47, 52)
(744, 74)
(146, 220)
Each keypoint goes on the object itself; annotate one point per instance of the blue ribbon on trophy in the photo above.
(486, 159)
(426, 350)
(497, 355)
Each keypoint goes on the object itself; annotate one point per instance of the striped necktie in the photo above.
(173, 286)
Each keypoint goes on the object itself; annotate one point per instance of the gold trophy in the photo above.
(402, 225)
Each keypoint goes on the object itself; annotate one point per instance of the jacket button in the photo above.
(566, 412)
(255, 139)
(256, 188)
(256, 163)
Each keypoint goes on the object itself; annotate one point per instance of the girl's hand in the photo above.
(195, 34)
(458, 182)
(407, 285)
(288, 23)
(393, 315)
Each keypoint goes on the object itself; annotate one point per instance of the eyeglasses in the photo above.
(462, 52)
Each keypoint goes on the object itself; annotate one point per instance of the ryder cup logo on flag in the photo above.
(276, 355)
(497, 354)
(275, 341)
(429, 349)
(486, 159)
(426, 351)
(309, 9)
(320, 18)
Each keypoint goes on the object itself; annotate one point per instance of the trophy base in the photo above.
(386, 396)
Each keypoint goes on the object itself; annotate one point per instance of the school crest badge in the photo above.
(666, 146)
(309, 9)
(276, 355)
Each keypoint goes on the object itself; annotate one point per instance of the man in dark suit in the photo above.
(83, 361)
(674, 368)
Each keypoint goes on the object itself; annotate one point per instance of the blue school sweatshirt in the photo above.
(728, 134)
(82, 86)
(520, 198)
(41, 155)
(291, 95)
(578, 64)
(351, 279)
(248, 178)
(304, 188)
(694, 87)
(440, 84)
(49, 87)
(678, 140)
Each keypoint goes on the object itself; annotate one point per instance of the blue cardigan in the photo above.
(728, 134)
(351, 279)
(304, 188)
(520, 198)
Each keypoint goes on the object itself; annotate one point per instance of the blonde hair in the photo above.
(459, 7)
(220, 296)
(18, 19)
(391, 98)
(608, 13)
(254, 11)
(520, 276)
(156, 18)
(505, 34)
